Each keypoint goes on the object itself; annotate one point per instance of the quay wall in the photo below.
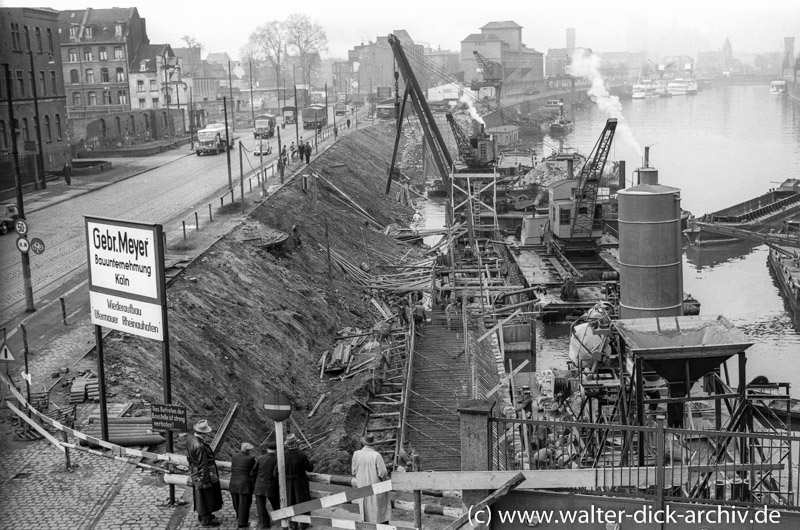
(794, 89)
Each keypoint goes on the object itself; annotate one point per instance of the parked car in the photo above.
(9, 214)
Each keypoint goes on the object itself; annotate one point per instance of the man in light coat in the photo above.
(369, 468)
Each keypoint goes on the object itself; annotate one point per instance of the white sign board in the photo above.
(122, 259)
(123, 314)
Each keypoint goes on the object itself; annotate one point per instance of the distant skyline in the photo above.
(672, 27)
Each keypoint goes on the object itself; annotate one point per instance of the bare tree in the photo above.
(192, 61)
(268, 43)
(308, 40)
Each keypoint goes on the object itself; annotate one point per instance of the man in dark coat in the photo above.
(297, 463)
(205, 476)
(241, 485)
(266, 485)
(308, 153)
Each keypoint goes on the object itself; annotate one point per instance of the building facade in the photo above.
(96, 50)
(29, 48)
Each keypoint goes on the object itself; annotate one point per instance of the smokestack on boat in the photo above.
(650, 255)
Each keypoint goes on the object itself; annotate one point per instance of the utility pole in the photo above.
(227, 142)
(296, 110)
(40, 154)
(24, 257)
(191, 119)
(252, 108)
(166, 97)
(178, 96)
(233, 105)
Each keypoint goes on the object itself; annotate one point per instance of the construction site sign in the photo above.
(126, 276)
(169, 417)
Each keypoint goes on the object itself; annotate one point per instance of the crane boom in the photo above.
(468, 154)
(583, 206)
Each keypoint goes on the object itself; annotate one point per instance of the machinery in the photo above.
(476, 152)
(492, 75)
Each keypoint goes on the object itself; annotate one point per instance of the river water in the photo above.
(720, 147)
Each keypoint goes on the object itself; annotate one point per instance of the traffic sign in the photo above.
(21, 226)
(169, 417)
(22, 244)
(5, 355)
(37, 245)
(277, 406)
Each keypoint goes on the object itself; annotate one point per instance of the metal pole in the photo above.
(178, 98)
(252, 109)
(25, 352)
(166, 97)
(227, 142)
(40, 153)
(166, 369)
(296, 110)
(281, 470)
(280, 154)
(326, 103)
(241, 175)
(24, 257)
(101, 376)
(191, 119)
(233, 105)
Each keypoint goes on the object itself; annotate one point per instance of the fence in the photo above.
(747, 469)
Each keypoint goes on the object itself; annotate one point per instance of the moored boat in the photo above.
(778, 87)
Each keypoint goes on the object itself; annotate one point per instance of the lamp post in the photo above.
(296, 110)
(166, 96)
(233, 105)
(39, 154)
(252, 108)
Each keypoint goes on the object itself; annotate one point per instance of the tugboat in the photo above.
(561, 125)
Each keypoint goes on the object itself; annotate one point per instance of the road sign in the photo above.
(37, 245)
(5, 355)
(21, 226)
(22, 244)
(169, 417)
(277, 406)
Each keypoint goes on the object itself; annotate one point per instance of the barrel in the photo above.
(650, 256)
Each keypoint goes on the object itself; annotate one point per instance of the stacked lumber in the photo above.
(126, 432)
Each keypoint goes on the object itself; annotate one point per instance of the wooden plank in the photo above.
(319, 402)
(496, 326)
(512, 483)
(224, 427)
(503, 381)
(348, 524)
(333, 500)
(38, 428)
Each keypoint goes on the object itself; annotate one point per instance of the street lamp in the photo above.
(233, 106)
(40, 154)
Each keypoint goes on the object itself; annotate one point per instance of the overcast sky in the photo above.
(682, 26)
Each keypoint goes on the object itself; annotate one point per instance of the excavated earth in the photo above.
(246, 320)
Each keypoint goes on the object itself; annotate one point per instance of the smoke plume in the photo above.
(472, 111)
(586, 65)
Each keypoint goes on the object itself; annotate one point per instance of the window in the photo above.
(89, 76)
(15, 41)
(73, 55)
(42, 83)
(91, 99)
(27, 37)
(164, 116)
(30, 81)
(118, 30)
(26, 135)
(103, 54)
(106, 97)
(36, 135)
(147, 122)
(87, 54)
(119, 125)
(142, 103)
(76, 99)
(47, 130)
(87, 32)
(73, 77)
(117, 52)
(563, 216)
(58, 126)
(49, 40)
(155, 103)
(38, 34)
(20, 84)
(3, 139)
(73, 31)
(53, 82)
(153, 85)
(120, 74)
(104, 75)
(140, 85)
(102, 127)
(122, 96)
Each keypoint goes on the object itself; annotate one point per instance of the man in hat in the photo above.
(407, 458)
(369, 468)
(205, 476)
(296, 463)
(241, 485)
(266, 486)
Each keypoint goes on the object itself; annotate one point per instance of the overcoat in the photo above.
(369, 468)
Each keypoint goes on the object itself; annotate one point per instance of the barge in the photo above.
(784, 264)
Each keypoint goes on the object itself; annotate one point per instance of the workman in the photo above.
(420, 316)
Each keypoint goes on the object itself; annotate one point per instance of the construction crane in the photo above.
(468, 154)
(438, 149)
(492, 75)
(583, 207)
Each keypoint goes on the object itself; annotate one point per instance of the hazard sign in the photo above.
(5, 355)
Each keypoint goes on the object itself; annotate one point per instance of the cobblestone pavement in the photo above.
(100, 493)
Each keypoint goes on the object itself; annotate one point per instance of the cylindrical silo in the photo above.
(650, 257)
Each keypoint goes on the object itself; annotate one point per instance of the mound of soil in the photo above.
(246, 319)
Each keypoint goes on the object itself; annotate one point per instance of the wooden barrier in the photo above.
(333, 500)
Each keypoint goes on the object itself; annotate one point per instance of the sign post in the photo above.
(278, 409)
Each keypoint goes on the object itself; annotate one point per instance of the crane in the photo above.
(583, 206)
(492, 75)
(468, 154)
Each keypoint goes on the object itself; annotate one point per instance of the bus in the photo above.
(264, 126)
(315, 117)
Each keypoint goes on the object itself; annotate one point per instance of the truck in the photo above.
(264, 126)
(315, 117)
(289, 114)
(212, 139)
(340, 109)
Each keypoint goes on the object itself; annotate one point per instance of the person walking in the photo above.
(204, 473)
(308, 153)
(241, 485)
(420, 316)
(266, 487)
(348, 123)
(335, 133)
(67, 173)
(368, 468)
(297, 464)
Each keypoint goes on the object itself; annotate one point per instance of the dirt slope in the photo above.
(245, 321)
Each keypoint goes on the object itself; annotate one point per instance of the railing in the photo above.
(749, 469)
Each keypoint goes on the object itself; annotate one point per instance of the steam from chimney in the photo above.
(472, 112)
(585, 65)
